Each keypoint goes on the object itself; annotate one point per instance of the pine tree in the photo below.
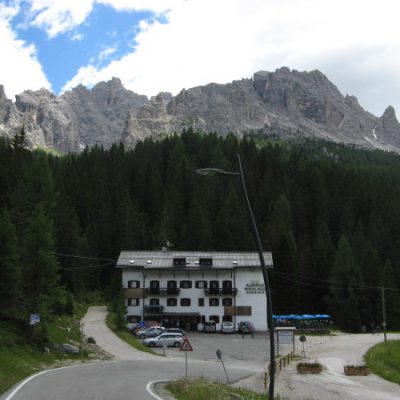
(10, 272)
(344, 280)
(42, 289)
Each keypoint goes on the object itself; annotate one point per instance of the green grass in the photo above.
(125, 335)
(384, 360)
(19, 358)
(202, 389)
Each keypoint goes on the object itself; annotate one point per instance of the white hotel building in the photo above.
(186, 289)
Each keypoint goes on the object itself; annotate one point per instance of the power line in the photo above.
(345, 285)
(84, 258)
(87, 266)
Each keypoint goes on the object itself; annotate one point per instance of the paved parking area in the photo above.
(250, 352)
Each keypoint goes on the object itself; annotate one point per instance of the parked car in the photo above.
(142, 325)
(227, 327)
(209, 326)
(175, 330)
(171, 339)
(246, 327)
(151, 332)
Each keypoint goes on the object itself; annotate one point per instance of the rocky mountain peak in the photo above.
(286, 103)
(3, 96)
(389, 113)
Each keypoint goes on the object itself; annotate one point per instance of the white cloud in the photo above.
(59, 16)
(77, 37)
(218, 41)
(157, 6)
(106, 53)
(355, 43)
(19, 67)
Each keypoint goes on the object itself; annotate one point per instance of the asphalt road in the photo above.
(113, 380)
(128, 375)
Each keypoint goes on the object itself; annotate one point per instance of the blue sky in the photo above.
(106, 34)
(167, 45)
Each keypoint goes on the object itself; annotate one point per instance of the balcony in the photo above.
(131, 293)
(220, 291)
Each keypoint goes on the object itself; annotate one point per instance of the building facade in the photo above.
(188, 289)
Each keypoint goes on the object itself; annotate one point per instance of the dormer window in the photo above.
(179, 261)
(205, 262)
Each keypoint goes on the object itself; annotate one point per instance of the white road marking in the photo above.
(23, 383)
(148, 388)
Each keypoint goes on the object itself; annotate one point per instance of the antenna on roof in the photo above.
(167, 246)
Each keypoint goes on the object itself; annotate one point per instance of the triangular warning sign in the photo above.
(186, 346)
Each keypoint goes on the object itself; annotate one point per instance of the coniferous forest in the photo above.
(330, 214)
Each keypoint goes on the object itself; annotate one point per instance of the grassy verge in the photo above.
(19, 358)
(202, 389)
(125, 335)
(384, 360)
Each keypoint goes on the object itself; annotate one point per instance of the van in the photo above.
(209, 326)
(246, 327)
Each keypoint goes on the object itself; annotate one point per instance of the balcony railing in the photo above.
(221, 291)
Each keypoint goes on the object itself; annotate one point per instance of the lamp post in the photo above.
(216, 171)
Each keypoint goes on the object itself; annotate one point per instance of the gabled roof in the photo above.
(165, 259)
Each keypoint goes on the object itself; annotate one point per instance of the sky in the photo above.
(168, 45)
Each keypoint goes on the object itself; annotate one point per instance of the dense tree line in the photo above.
(329, 214)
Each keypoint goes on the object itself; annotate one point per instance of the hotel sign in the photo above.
(254, 287)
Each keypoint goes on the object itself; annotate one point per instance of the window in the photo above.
(227, 284)
(227, 287)
(185, 302)
(186, 284)
(154, 284)
(179, 261)
(201, 284)
(154, 302)
(214, 284)
(205, 262)
(171, 285)
(133, 302)
(214, 287)
(172, 288)
(134, 318)
(201, 302)
(227, 318)
(171, 302)
(214, 318)
(227, 302)
(133, 284)
(213, 302)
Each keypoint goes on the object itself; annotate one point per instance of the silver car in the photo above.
(171, 340)
(228, 327)
(153, 331)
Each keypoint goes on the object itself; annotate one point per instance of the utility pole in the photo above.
(383, 312)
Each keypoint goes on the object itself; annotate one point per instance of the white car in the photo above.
(171, 339)
(227, 327)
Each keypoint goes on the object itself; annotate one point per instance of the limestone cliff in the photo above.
(286, 103)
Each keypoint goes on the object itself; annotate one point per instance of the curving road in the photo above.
(126, 377)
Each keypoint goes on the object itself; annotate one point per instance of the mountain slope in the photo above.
(285, 104)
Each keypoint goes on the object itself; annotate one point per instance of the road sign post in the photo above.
(186, 346)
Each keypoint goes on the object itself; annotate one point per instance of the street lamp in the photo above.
(216, 171)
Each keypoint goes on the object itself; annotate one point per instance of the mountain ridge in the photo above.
(288, 104)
